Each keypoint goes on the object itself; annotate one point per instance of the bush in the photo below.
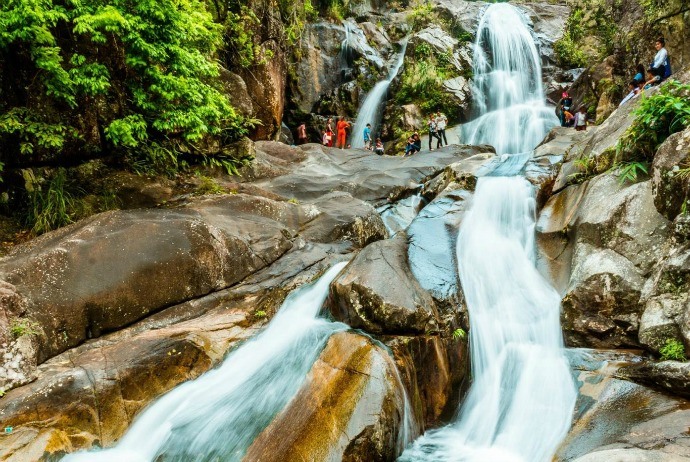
(673, 350)
(657, 117)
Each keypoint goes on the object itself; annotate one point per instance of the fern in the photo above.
(629, 171)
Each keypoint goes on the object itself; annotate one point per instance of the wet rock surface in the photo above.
(619, 420)
(351, 408)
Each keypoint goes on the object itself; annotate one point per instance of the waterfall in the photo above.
(218, 415)
(370, 112)
(521, 401)
(507, 85)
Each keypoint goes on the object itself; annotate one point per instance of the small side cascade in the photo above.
(218, 415)
(370, 112)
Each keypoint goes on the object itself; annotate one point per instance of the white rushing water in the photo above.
(370, 112)
(218, 415)
(507, 86)
(522, 397)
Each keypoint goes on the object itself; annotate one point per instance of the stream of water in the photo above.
(370, 112)
(520, 404)
(217, 416)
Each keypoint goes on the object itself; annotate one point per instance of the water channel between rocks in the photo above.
(520, 405)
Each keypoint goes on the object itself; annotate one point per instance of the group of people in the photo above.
(369, 144)
(658, 71)
(436, 125)
(332, 134)
(569, 117)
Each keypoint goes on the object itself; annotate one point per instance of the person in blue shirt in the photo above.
(639, 76)
(367, 137)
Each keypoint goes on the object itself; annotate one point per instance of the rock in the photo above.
(436, 371)
(671, 190)
(236, 90)
(601, 307)
(352, 407)
(616, 420)
(286, 135)
(377, 37)
(669, 376)
(318, 72)
(139, 191)
(440, 41)
(265, 80)
(681, 227)
(412, 119)
(376, 292)
(339, 216)
(112, 269)
(365, 176)
(659, 320)
(460, 89)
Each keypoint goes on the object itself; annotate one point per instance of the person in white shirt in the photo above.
(581, 119)
(441, 123)
(660, 63)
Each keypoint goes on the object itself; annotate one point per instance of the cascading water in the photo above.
(218, 415)
(370, 112)
(507, 84)
(521, 401)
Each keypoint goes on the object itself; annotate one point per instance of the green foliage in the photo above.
(155, 55)
(32, 132)
(421, 14)
(293, 200)
(422, 83)
(208, 186)
(567, 48)
(591, 33)
(459, 334)
(260, 314)
(629, 171)
(673, 350)
(51, 204)
(23, 326)
(656, 118)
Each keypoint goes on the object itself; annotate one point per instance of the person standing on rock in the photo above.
(563, 106)
(441, 123)
(367, 137)
(302, 134)
(342, 127)
(433, 133)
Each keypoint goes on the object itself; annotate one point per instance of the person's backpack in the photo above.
(667, 68)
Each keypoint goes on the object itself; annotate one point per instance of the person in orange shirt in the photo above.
(342, 127)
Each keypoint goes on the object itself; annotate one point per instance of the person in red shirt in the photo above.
(342, 127)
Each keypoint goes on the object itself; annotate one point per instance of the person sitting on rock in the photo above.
(634, 89)
(581, 119)
(661, 66)
(417, 141)
(378, 148)
(639, 76)
(652, 79)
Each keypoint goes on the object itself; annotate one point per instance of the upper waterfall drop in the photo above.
(507, 87)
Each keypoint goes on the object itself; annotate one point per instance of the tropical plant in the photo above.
(459, 334)
(23, 326)
(673, 350)
(629, 171)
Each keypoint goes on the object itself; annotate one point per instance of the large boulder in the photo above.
(669, 376)
(377, 292)
(671, 189)
(353, 407)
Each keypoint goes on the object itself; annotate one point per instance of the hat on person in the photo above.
(565, 94)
